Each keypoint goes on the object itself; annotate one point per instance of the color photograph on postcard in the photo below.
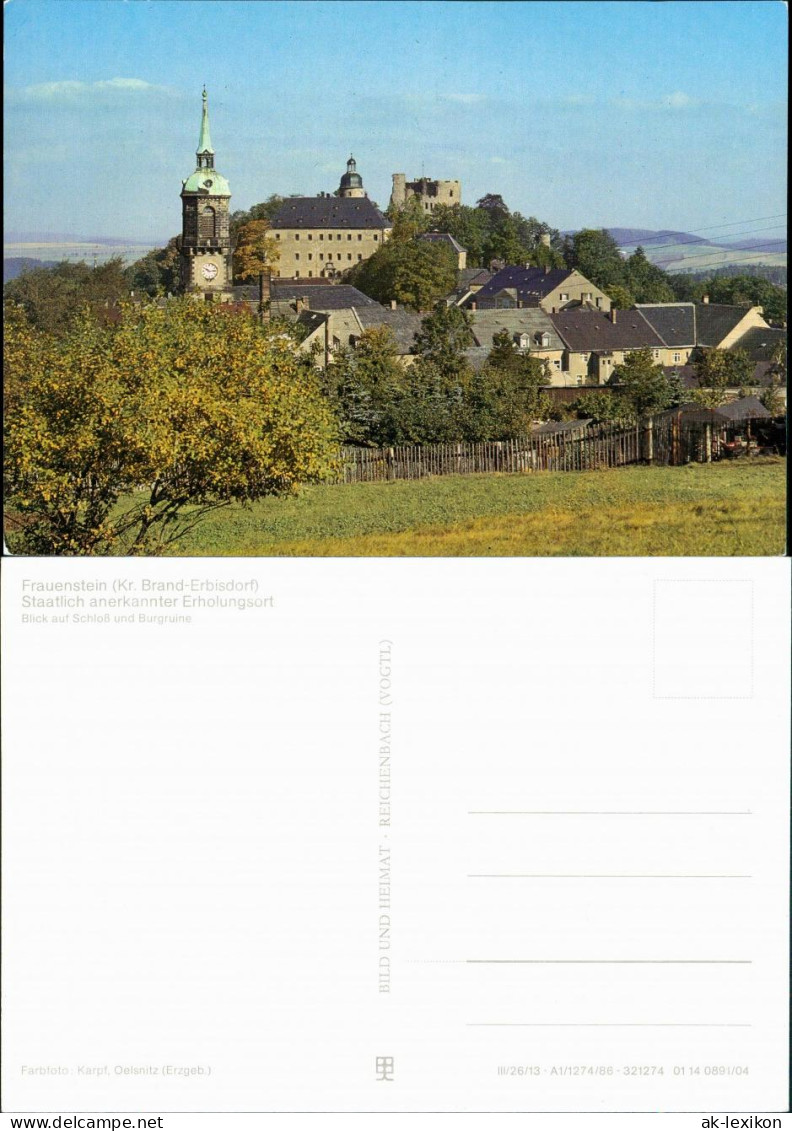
(395, 279)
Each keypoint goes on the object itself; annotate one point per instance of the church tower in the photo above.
(206, 252)
(351, 184)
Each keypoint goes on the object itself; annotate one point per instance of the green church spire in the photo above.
(204, 141)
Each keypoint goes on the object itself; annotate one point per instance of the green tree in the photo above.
(470, 226)
(367, 389)
(158, 272)
(646, 282)
(256, 250)
(717, 371)
(265, 210)
(444, 336)
(601, 406)
(53, 296)
(176, 410)
(409, 220)
(596, 255)
(620, 297)
(643, 386)
(415, 273)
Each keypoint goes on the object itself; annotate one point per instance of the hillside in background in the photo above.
(685, 252)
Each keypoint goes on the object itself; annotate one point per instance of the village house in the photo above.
(332, 316)
(323, 236)
(531, 332)
(446, 240)
(595, 343)
(551, 288)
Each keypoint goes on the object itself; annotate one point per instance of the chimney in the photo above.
(301, 303)
(520, 304)
(473, 306)
(613, 314)
(264, 294)
(705, 299)
(393, 304)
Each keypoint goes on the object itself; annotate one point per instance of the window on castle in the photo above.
(349, 237)
(297, 255)
(310, 237)
(321, 255)
(297, 235)
(376, 238)
(360, 236)
(349, 257)
(310, 255)
(321, 235)
(206, 223)
(360, 258)
(339, 255)
(310, 274)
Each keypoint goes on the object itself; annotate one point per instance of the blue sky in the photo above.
(647, 114)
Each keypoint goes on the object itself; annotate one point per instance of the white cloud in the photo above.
(465, 99)
(68, 90)
(677, 100)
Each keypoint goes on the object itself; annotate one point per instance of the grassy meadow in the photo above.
(722, 509)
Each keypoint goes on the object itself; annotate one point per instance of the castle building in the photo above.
(320, 237)
(351, 185)
(430, 193)
(206, 251)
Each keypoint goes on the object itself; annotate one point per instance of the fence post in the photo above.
(649, 433)
(389, 462)
(708, 443)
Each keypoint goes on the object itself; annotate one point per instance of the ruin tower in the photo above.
(430, 193)
(206, 252)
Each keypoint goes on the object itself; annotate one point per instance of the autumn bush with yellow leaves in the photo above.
(186, 406)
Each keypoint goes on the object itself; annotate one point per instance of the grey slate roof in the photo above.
(714, 322)
(530, 283)
(675, 322)
(470, 276)
(529, 320)
(334, 296)
(759, 343)
(592, 331)
(442, 238)
(329, 212)
(747, 408)
(404, 323)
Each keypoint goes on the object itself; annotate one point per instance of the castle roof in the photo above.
(329, 212)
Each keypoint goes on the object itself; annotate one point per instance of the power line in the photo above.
(711, 254)
(731, 224)
(679, 243)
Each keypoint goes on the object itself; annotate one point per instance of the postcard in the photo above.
(395, 601)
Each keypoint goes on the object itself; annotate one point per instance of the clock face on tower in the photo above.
(209, 270)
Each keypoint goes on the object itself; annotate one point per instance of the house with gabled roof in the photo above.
(445, 239)
(531, 332)
(595, 342)
(551, 288)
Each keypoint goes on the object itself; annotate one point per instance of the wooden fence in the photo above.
(663, 440)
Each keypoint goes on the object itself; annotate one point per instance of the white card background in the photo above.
(579, 903)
